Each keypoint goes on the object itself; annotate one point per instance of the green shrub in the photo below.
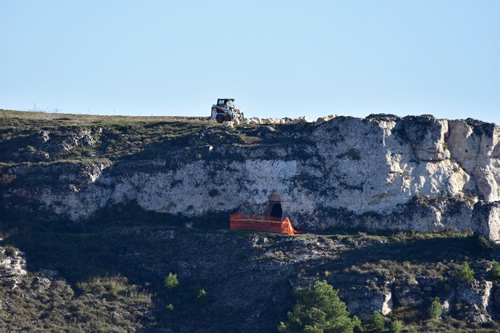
(170, 307)
(465, 274)
(484, 243)
(357, 324)
(395, 327)
(318, 309)
(202, 296)
(10, 251)
(111, 293)
(495, 270)
(171, 281)
(378, 321)
(435, 310)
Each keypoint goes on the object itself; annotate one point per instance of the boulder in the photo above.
(477, 294)
(301, 120)
(368, 295)
(486, 219)
(408, 295)
(12, 267)
(322, 120)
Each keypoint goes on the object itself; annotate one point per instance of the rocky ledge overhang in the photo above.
(381, 172)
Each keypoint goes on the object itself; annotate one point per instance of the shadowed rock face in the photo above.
(382, 172)
(427, 137)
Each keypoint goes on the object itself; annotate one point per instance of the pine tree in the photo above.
(395, 327)
(171, 281)
(436, 310)
(465, 274)
(318, 309)
(378, 321)
(495, 270)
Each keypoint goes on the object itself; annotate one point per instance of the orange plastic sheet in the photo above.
(239, 221)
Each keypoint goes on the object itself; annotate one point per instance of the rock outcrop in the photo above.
(12, 267)
(382, 172)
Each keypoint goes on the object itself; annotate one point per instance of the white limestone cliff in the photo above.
(384, 172)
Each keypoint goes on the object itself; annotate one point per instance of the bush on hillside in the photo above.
(435, 310)
(465, 274)
(318, 309)
(395, 327)
(378, 321)
(171, 281)
(495, 270)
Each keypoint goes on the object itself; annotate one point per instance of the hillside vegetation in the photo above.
(115, 272)
(102, 137)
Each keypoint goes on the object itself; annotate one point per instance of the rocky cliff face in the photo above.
(381, 172)
(12, 267)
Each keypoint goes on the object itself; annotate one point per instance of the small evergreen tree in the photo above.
(484, 243)
(465, 274)
(357, 324)
(318, 309)
(378, 321)
(171, 281)
(202, 296)
(436, 310)
(495, 270)
(395, 327)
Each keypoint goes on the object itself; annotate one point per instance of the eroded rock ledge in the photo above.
(383, 172)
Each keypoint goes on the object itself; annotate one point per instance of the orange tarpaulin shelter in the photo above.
(239, 221)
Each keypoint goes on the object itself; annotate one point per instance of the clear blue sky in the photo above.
(277, 58)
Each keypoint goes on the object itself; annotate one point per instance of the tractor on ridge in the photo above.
(225, 110)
